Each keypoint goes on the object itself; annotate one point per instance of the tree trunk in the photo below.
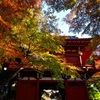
(7, 81)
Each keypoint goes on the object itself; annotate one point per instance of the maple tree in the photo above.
(26, 34)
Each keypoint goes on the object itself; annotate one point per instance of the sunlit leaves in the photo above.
(51, 62)
(94, 93)
(37, 33)
(30, 33)
(95, 42)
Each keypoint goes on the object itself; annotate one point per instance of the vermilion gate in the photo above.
(30, 90)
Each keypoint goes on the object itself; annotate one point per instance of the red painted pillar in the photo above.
(87, 95)
(37, 91)
(18, 89)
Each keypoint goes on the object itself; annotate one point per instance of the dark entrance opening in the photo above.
(49, 91)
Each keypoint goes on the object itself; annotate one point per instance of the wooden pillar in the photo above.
(18, 89)
(87, 95)
(37, 91)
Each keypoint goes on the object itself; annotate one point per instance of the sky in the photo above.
(62, 25)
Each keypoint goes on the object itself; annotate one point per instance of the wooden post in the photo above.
(37, 91)
(87, 95)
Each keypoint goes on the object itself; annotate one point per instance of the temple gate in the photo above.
(30, 86)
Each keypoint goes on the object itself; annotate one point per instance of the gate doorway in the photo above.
(49, 91)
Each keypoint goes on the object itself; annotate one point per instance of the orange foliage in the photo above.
(96, 75)
(8, 8)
